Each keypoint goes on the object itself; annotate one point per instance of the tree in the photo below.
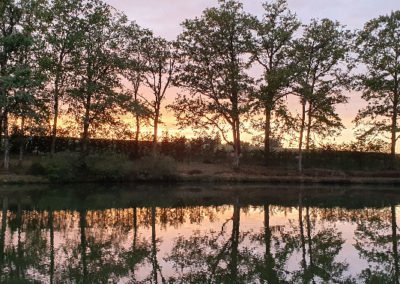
(378, 47)
(94, 97)
(14, 40)
(160, 67)
(61, 34)
(213, 51)
(270, 49)
(135, 72)
(321, 65)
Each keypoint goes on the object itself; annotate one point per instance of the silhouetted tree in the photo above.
(213, 51)
(378, 48)
(270, 48)
(321, 63)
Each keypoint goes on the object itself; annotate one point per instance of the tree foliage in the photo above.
(213, 51)
(378, 48)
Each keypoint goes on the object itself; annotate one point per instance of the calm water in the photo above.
(198, 234)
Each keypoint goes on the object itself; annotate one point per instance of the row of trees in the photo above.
(76, 58)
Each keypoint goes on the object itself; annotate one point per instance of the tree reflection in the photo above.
(378, 247)
(3, 234)
(25, 257)
(212, 257)
(139, 252)
(319, 246)
(271, 266)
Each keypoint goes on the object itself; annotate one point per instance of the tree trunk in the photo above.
(267, 134)
(394, 132)
(309, 128)
(6, 142)
(86, 123)
(303, 118)
(236, 144)
(155, 134)
(137, 135)
(55, 120)
(22, 142)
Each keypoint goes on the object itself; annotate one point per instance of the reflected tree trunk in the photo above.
(3, 234)
(134, 238)
(395, 247)
(271, 276)
(156, 267)
(310, 253)
(51, 246)
(82, 223)
(20, 255)
(302, 237)
(3, 229)
(233, 265)
(134, 228)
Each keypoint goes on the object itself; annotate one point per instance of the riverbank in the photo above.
(220, 174)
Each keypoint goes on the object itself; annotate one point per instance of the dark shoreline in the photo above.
(6, 179)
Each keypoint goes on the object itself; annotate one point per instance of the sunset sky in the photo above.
(164, 18)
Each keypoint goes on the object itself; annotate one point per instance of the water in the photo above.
(199, 234)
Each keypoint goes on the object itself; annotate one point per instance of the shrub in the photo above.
(58, 168)
(108, 166)
(155, 168)
(37, 169)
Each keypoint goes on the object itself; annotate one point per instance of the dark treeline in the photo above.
(210, 151)
(69, 61)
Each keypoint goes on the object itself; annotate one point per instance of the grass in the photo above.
(141, 170)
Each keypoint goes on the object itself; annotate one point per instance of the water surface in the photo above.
(199, 234)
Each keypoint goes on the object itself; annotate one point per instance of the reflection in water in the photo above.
(208, 236)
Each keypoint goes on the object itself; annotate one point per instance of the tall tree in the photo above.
(16, 41)
(60, 34)
(95, 97)
(135, 72)
(378, 47)
(160, 65)
(214, 51)
(321, 64)
(270, 48)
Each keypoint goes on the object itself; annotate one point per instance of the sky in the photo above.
(164, 17)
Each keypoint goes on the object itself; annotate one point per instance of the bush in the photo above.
(67, 167)
(61, 167)
(108, 166)
(37, 169)
(155, 168)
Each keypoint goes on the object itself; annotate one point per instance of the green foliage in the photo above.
(58, 168)
(67, 167)
(155, 168)
(94, 99)
(108, 166)
(270, 48)
(213, 65)
(378, 47)
(321, 62)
